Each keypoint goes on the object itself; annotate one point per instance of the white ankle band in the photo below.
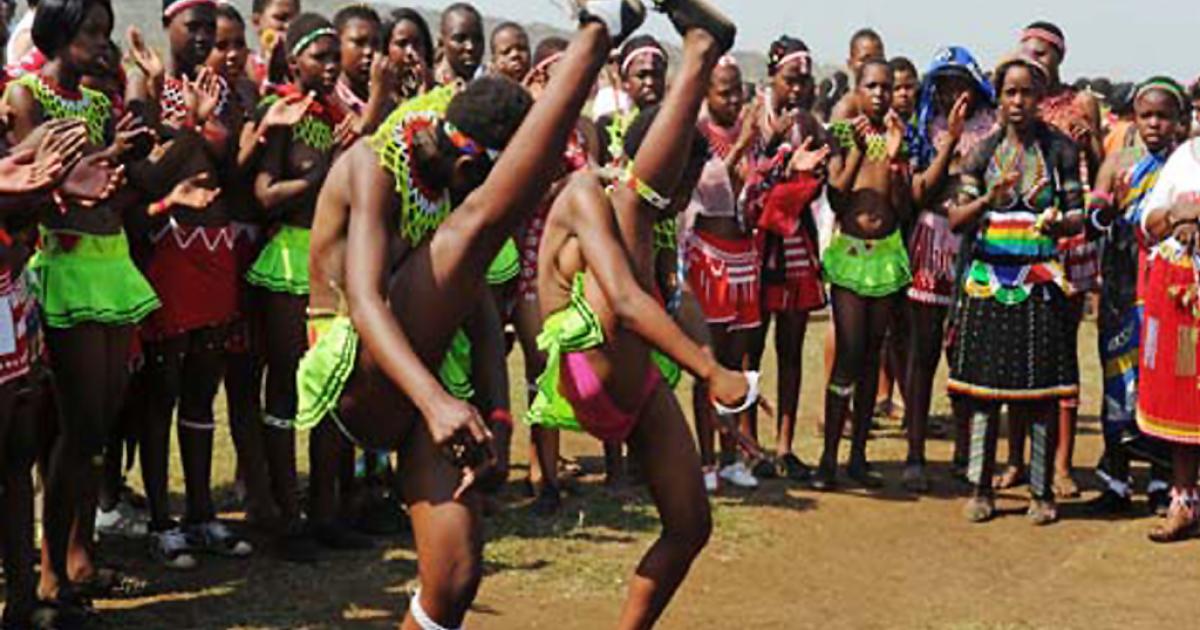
(422, 618)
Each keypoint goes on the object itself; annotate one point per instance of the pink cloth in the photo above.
(595, 409)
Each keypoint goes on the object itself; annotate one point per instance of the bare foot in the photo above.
(1012, 477)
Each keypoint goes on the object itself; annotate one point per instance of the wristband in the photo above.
(158, 207)
(501, 416)
(752, 379)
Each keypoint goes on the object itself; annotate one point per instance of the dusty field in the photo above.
(781, 557)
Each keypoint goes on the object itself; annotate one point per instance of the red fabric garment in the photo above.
(194, 271)
(724, 276)
(1169, 377)
(786, 201)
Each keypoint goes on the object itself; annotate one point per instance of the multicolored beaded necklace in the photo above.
(423, 208)
(1034, 187)
(87, 105)
(847, 138)
(316, 128)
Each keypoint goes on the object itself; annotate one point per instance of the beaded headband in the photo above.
(801, 57)
(1046, 36)
(308, 40)
(466, 144)
(1166, 85)
(645, 50)
(179, 6)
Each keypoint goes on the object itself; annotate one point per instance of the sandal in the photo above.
(1065, 487)
(1183, 521)
(980, 509)
(790, 467)
(1012, 477)
(109, 584)
(1042, 512)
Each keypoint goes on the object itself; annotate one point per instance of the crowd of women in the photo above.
(317, 227)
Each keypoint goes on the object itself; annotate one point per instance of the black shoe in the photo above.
(1109, 503)
(548, 502)
(763, 469)
(791, 468)
(621, 17)
(862, 474)
(338, 538)
(1159, 503)
(690, 14)
(825, 479)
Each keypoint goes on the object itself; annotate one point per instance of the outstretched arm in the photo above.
(658, 162)
(519, 179)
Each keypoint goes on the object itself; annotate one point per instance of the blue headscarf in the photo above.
(956, 60)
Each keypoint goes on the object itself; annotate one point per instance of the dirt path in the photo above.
(781, 557)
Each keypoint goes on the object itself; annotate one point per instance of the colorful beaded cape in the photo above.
(423, 208)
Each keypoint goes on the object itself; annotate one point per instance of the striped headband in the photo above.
(308, 39)
(179, 6)
(1046, 36)
(1166, 85)
(466, 144)
(800, 56)
(644, 50)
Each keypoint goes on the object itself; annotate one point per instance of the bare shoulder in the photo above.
(845, 109)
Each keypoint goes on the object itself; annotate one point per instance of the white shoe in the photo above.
(172, 550)
(711, 483)
(216, 537)
(121, 522)
(738, 475)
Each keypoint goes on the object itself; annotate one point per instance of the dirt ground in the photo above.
(781, 557)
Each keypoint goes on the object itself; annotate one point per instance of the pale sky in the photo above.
(1128, 39)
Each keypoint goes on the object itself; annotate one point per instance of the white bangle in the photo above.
(752, 380)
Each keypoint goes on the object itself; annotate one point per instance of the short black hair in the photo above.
(461, 7)
(904, 64)
(868, 63)
(405, 14)
(640, 128)
(1001, 73)
(636, 43)
(362, 12)
(490, 110)
(57, 22)
(864, 33)
(507, 26)
(549, 47)
(302, 26)
(229, 12)
(1194, 91)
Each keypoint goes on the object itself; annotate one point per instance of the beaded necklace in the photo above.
(316, 128)
(87, 105)
(423, 208)
(1012, 157)
(847, 138)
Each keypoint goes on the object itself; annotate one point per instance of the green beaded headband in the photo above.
(307, 40)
